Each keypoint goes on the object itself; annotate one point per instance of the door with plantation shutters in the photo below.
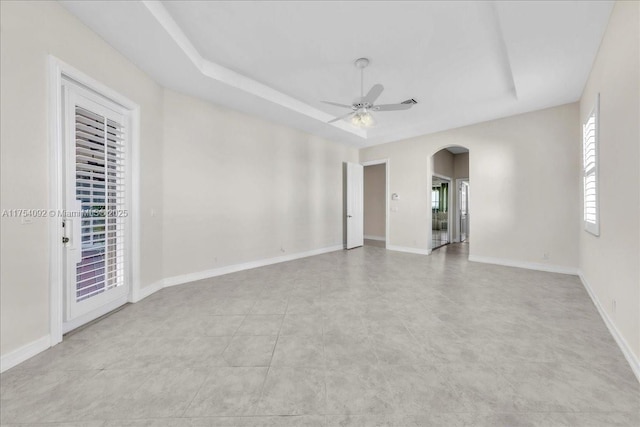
(96, 216)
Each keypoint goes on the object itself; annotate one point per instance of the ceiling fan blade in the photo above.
(391, 107)
(337, 105)
(373, 94)
(341, 117)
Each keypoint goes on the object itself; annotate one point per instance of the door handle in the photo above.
(349, 216)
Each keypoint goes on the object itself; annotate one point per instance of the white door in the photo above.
(355, 205)
(463, 191)
(96, 216)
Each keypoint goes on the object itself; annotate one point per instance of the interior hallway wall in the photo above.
(610, 262)
(460, 170)
(375, 201)
(443, 163)
(461, 165)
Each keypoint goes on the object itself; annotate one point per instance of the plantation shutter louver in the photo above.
(100, 187)
(590, 171)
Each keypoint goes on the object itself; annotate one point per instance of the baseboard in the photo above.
(551, 268)
(24, 353)
(191, 277)
(378, 238)
(633, 360)
(140, 294)
(417, 251)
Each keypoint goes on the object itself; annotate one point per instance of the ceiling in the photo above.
(464, 62)
(457, 150)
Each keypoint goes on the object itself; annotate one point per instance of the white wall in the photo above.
(375, 200)
(263, 190)
(524, 197)
(610, 263)
(31, 31)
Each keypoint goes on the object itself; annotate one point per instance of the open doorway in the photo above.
(375, 203)
(440, 211)
(449, 196)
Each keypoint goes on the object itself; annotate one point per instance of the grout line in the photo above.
(275, 345)
(195, 395)
(324, 352)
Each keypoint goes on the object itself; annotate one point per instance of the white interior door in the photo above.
(96, 221)
(463, 191)
(355, 205)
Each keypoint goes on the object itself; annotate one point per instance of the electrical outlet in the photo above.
(545, 256)
(282, 249)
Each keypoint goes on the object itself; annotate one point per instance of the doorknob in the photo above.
(348, 216)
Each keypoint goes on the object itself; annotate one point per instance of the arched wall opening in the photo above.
(448, 197)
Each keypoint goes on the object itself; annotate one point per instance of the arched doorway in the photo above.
(449, 196)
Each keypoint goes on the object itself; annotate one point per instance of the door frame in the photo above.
(386, 164)
(57, 71)
(449, 204)
(458, 182)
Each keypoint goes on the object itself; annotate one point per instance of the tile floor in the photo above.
(366, 337)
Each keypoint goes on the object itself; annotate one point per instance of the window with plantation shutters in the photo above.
(590, 170)
(100, 188)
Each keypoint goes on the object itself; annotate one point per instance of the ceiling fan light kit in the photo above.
(363, 119)
(360, 115)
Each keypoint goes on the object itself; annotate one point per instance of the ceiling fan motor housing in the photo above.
(358, 104)
(361, 107)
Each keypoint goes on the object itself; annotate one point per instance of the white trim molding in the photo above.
(550, 268)
(417, 251)
(234, 79)
(58, 71)
(140, 293)
(378, 238)
(94, 314)
(24, 353)
(456, 238)
(192, 277)
(633, 360)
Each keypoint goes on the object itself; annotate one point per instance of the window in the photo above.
(435, 199)
(590, 141)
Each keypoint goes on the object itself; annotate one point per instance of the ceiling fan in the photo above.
(361, 108)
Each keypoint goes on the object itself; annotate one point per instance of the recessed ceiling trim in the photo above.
(234, 79)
